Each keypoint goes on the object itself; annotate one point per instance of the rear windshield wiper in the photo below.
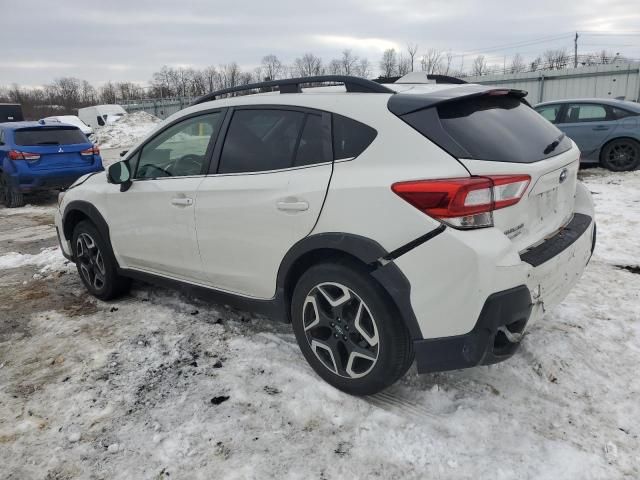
(552, 146)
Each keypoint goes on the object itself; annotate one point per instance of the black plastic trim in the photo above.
(508, 307)
(273, 308)
(294, 85)
(559, 242)
(415, 243)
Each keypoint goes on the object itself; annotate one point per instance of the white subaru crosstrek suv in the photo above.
(425, 220)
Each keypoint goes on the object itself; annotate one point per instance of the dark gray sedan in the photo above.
(606, 131)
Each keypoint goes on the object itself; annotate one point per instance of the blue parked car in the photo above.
(42, 156)
(606, 131)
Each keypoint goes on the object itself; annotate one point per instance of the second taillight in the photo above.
(464, 202)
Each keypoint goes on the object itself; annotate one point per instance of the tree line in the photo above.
(65, 95)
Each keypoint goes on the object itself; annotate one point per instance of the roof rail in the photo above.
(293, 85)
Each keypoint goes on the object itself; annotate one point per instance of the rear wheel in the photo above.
(11, 197)
(96, 265)
(348, 329)
(621, 155)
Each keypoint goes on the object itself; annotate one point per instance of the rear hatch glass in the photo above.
(49, 136)
(502, 135)
(499, 128)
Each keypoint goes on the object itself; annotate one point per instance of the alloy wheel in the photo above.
(622, 155)
(341, 330)
(90, 261)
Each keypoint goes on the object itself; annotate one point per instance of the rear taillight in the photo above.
(464, 202)
(17, 155)
(91, 151)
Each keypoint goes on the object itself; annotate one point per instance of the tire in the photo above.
(621, 155)
(348, 329)
(11, 197)
(96, 264)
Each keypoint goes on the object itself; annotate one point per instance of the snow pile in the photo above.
(125, 132)
(49, 259)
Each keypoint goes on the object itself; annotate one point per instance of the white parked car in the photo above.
(386, 223)
(71, 120)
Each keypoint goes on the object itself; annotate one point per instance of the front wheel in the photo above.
(348, 329)
(95, 263)
(621, 155)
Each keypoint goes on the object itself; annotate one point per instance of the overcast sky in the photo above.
(129, 39)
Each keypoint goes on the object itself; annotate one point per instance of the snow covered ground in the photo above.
(159, 386)
(126, 131)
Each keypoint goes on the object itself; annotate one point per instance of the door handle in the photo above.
(600, 128)
(293, 206)
(182, 201)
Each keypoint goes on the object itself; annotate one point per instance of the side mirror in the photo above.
(119, 174)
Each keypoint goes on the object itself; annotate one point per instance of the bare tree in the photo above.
(307, 66)
(412, 49)
(555, 59)
(348, 62)
(479, 66)
(229, 75)
(88, 94)
(334, 67)
(389, 63)
(272, 67)
(431, 61)
(448, 58)
(108, 93)
(517, 64)
(67, 90)
(404, 65)
(211, 78)
(363, 69)
(535, 64)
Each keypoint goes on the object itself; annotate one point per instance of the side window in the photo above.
(312, 147)
(100, 120)
(180, 150)
(261, 140)
(550, 112)
(619, 113)
(586, 113)
(350, 137)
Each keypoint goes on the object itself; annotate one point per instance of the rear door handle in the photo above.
(182, 201)
(293, 206)
(600, 127)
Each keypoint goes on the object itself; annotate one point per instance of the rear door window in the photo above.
(313, 146)
(350, 137)
(492, 127)
(585, 112)
(619, 113)
(261, 140)
(49, 136)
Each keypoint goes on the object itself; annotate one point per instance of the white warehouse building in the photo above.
(617, 80)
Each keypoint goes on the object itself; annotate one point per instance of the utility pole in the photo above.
(575, 51)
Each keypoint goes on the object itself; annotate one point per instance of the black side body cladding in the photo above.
(90, 211)
(483, 345)
(559, 242)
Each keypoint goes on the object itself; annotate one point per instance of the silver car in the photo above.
(606, 131)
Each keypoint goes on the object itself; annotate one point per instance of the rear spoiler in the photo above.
(403, 103)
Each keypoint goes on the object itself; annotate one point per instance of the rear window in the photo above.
(350, 137)
(496, 128)
(49, 136)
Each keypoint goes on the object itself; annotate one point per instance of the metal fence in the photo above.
(160, 107)
(600, 81)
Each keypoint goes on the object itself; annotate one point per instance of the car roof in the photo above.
(32, 124)
(604, 101)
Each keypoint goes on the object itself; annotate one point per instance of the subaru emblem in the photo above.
(563, 175)
(62, 151)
